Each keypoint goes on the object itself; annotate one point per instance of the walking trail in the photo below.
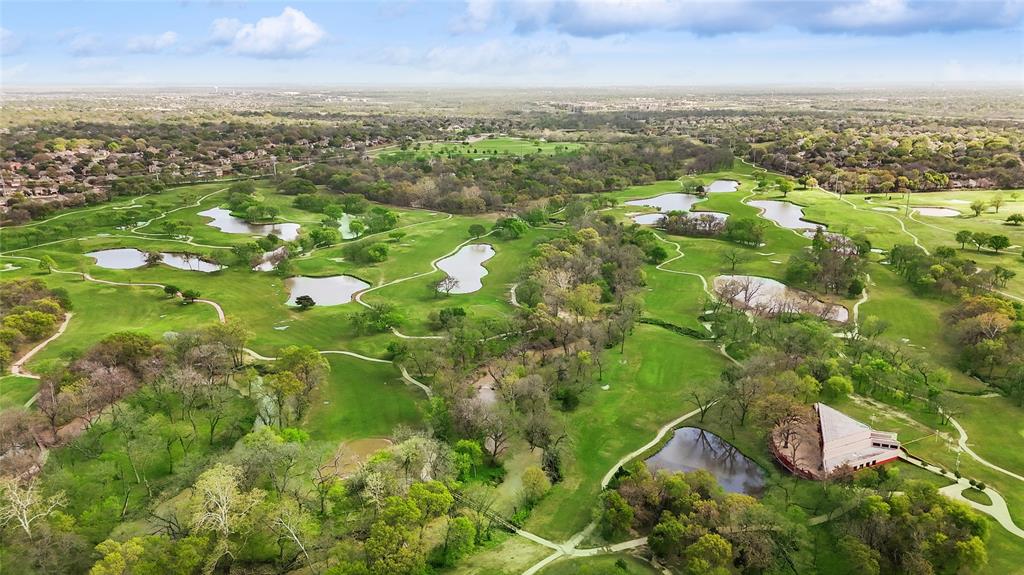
(17, 366)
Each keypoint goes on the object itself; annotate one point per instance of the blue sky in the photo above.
(526, 43)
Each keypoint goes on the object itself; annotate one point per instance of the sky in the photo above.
(527, 43)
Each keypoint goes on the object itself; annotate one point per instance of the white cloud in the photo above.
(289, 35)
(597, 18)
(9, 42)
(82, 44)
(152, 44)
(476, 18)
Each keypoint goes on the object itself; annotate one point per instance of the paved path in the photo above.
(406, 376)
(997, 510)
(16, 367)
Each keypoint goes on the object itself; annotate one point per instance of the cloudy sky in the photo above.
(522, 43)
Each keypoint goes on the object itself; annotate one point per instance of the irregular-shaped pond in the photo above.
(269, 260)
(933, 212)
(225, 222)
(668, 202)
(785, 214)
(131, 258)
(770, 297)
(722, 186)
(345, 229)
(691, 449)
(331, 290)
(466, 266)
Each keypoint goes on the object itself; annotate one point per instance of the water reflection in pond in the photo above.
(785, 214)
(937, 212)
(131, 258)
(466, 266)
(331, 290)
(668, 202)
(691, 449)
(722, 186)
(225, 222)
(345, 229)
(771, 297)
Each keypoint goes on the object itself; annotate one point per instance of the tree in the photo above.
(296, 186)
(535, 485)
(190, 295)
(980, 239)
(477, 230)
(998, 242)
(1015, 219)
(785, 186)
(47, 264)
(171, 291)
(221, 508)
(616, 515)
(305, 362)
(837, 386)
(22, 504)
(511, 228)
(304, 302)
(153, 259)
(446, 284)
(282, 386)
(964, 236)
(997, 202)
(711, 554)
(733, 257)
(459, 540)
(978, 206)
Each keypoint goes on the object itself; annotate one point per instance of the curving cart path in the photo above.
(17, 366)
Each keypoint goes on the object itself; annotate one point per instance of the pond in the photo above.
(466, 266)
(933, 212)
(691, 449)
(676, 201)
(131, 258)
(785, 214)
(772, 297)
(345, 228)
(269, 260)
(722, 186)
(331, 290)
(225, 222)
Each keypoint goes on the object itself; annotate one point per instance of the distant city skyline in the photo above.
(483, 43)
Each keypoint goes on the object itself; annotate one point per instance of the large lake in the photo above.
(331, 290)
(466, 266)
(692, 448)
(131, 258)
(225, 222)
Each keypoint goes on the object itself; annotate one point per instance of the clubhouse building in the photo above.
(830, 443)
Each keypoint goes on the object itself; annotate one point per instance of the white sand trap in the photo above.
(885, 209)
(934, 212)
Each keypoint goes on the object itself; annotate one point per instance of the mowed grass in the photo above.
(489, 147)
(600, 564)
(649, 386)
(15, 390)
(361, 399)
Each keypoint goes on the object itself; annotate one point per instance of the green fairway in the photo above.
(480, 148)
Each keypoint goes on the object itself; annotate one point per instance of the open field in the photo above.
(483, 148)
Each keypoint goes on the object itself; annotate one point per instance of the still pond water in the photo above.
(225, 222)
(691, 449)
(466, 266)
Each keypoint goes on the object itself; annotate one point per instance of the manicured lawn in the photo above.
(490, 147)
(16, 390)
(600, 564)
(361, 399)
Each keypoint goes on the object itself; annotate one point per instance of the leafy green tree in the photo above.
(283, 386)
(535, 485)
(171, 290)
(963, 237)
(191, 295)
(304, 302)
(978, 206)
(394, 546)
(616, 515)
(981, 239)
(511, 228)
(709, 555)
(296, 186)
(837, 386)
(1015, 219)
(477, 230)
(998, 242)
(459, 540)
(47, 264)
(785, 186)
